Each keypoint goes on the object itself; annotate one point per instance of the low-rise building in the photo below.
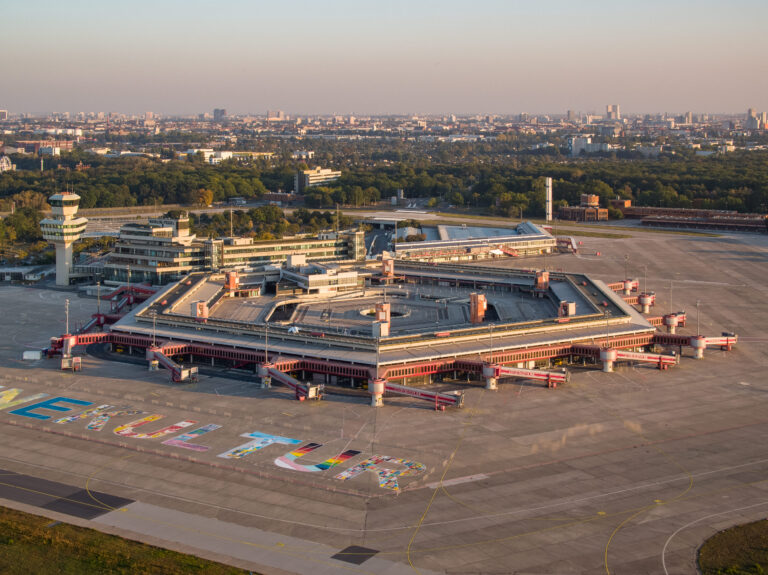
(34, 146)
(463, 243)
(588, 211)
(583, 145)
(302, 155)
(6, 165)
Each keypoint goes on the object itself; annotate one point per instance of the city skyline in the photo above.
(345, 58)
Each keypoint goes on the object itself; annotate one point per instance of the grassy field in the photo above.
(740, 550)
(34, 544)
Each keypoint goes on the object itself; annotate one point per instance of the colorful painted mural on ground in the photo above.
(92, 412)
(388, 469)
(288, 461)
(260, 442)
(101, 416)
(52, 404)
(184, 439)
(100, 421)
(127, 430)
(388, 478)
(8, 398)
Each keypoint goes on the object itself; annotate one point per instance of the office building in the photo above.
(164, 250)
(753, 120)
(584, 145)
(613, 112)
(315, 177)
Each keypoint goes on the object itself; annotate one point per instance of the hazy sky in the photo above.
(386, 56)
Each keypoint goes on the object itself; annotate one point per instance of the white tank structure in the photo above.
(699, 344)
(63, 229)
(376, 387)
(647, 299)
(608, 356)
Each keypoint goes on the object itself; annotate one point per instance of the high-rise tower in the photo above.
(63, 229)
(548, 201)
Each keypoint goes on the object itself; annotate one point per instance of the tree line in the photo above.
(267, 223)
(477, 176)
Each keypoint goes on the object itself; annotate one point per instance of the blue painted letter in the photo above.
(50, 404)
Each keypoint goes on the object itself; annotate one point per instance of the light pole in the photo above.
(66, 313)
(394, 238)
(626, 266)
(266, 341)
(128, 276)
(671, 282)
(698, 302)
(645, 278)
(490, 329)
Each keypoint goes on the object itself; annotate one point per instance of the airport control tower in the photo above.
(63, 229)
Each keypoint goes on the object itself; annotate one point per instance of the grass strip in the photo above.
(740, 550)
(35, 544)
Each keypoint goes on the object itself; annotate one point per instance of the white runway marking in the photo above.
(457, 481)
(689, 524)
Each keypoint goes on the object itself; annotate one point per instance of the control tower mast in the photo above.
(63, 229)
